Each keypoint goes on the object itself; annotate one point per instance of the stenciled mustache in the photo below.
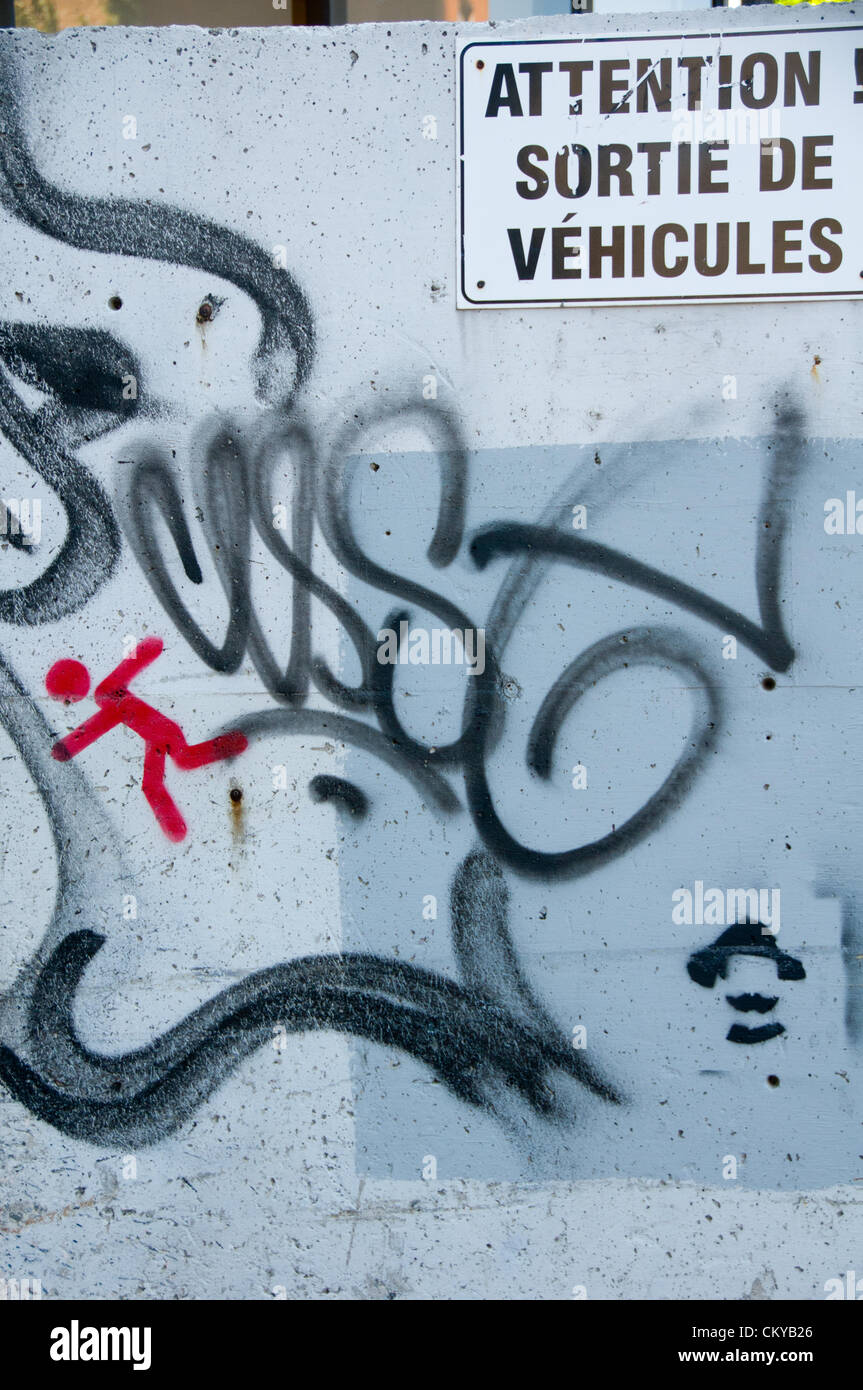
(746, 938)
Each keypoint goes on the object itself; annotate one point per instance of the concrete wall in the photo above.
(402, 1009)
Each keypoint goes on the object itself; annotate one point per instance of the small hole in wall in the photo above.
(773, 1081)
(115, 302)
(236, 795)
(768, 683)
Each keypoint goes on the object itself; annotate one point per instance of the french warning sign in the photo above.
(655, 168)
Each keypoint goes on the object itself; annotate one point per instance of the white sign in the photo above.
(660, 167)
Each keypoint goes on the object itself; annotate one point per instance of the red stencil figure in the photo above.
(70, 681)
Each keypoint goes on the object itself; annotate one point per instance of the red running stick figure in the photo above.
(70, 681)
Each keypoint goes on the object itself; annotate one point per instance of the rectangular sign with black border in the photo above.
(656, 168)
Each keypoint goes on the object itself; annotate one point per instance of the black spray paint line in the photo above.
(145, 1095)
(510, 538)
(335, 519)
(89, 391)
(786, 458)
(443, 428)
(659, 647)
(325, 787)
(636, 647)
(153, 486)
(271, 723)
(234, 492)
(287, 436)
(785, 455)
(117, 226)
(488, 960)
(485, 687)
(82, 370)
(522, 580)
(91, 870)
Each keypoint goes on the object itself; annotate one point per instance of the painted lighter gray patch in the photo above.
(602, 951)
